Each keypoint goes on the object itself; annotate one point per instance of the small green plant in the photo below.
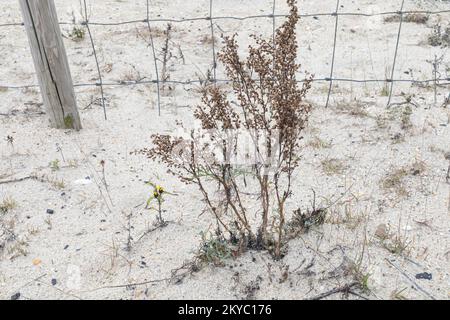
(157, 194)
(214, 250)
(385, 89)
(68, 121)
(54, 165)
(77, 33)
(7, 204)
(363, 279)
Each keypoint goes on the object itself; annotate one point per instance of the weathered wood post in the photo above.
(50, 61)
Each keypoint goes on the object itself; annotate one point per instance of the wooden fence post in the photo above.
(51, 64)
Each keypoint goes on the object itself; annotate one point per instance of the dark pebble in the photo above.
(15, 296)
(424, 275)
(54, 282)
(50, 211)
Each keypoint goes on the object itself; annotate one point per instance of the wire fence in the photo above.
(159, 81)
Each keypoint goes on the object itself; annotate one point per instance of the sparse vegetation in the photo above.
(77, 33)
(333, 166)
(57, 183)
(357, 269)
(18, 248)
(7, 204)
(440, 36)
(395, 243)
(418, 18)
(54, 165)
(353, 108)
(394, 181)
(398, 244)
(318, 143)
(385, 89)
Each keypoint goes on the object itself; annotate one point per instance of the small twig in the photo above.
(357, 294)
(60, 290)
(17, 180)
(131, 284)
(30, 282)
(345, 289)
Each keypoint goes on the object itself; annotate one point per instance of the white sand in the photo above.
(82, 245)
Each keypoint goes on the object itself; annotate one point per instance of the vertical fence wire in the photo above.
(213, 40)
(274, 21)
(334, 53)
(395, 54)
(435, 66)
(86, 23)
(152, 44)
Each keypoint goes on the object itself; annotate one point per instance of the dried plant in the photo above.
(270, 116)
(7, 204)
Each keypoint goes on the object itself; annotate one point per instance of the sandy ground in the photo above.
(383, 169)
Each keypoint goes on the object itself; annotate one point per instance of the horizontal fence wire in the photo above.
(158, 81)
(225, 81)
(207, 18)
